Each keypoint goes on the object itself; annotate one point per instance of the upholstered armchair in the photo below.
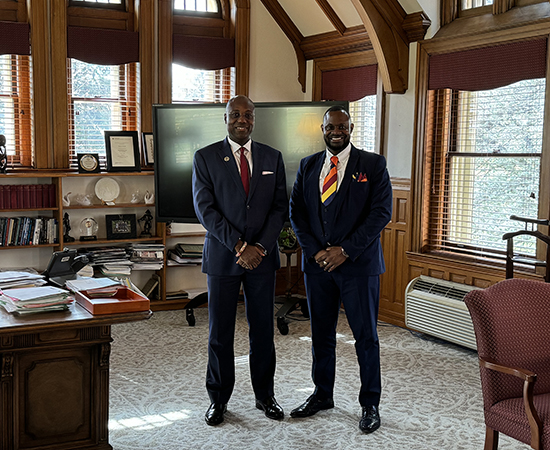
(512, 326)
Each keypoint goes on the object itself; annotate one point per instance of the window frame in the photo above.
(193, 13)
(88, 4)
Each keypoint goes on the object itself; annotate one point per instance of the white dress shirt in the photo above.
(343, 158)
(236, 149)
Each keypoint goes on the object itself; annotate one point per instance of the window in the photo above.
(363, 117)
(470, 4)
(208, 6)
(100, 98)
(118, 4)
(484, 160)
(16, 112)
(194, 85)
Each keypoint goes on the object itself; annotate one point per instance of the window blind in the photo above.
(483, 165)
(16, 110)
(349, 84)
(363, 116)
(194, 85)
(100, 98)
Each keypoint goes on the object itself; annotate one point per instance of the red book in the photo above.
(45, 196)
(19, 196)
(26, 196)
(14, 197)
(7, 196)
(1, 196)
(51, 193)
(32, 193)
(39, 196)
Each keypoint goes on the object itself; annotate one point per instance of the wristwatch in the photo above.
(344, 253)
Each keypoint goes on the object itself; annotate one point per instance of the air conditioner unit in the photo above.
(436, 307)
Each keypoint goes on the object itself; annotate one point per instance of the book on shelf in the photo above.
(177, 295)
(151, 286)
(188, 250)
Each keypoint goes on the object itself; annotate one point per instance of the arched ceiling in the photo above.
(320, 28)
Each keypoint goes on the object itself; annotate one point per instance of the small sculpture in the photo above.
(135, 197)
(149, 198)
(147, 220)
(66, 199)
(3, 154)
(84, 200)
(67, 228)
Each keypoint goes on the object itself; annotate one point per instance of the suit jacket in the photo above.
(360, 211)
(228, 215)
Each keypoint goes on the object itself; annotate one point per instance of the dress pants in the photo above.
(223, 295)
(360, 295)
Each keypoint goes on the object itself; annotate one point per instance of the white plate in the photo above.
(107, 190)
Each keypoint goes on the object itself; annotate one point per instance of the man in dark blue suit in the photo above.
(239, 193)
(340, 203)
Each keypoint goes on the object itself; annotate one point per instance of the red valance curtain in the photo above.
(489, 67)
(349, 84)
(201, 52)
(14, 38)
(103, 46)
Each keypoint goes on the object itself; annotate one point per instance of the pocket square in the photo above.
(267, 172)
(359, 177)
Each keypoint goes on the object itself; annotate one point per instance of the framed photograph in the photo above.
(122, 149)
(148, 148)
(88, 162)
(121, 226)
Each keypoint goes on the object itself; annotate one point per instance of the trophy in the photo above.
(88, 229)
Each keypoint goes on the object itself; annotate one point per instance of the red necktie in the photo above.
(245, 176)
(330, 182)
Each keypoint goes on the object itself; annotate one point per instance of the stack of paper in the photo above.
(87, 283)
(15, 278)
(185, 254)
(146, 256)
(35, 299)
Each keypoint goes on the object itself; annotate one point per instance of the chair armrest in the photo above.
(529, 379)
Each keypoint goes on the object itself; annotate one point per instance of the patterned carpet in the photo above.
(431, 396)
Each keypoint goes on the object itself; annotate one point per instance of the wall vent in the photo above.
(436, 307)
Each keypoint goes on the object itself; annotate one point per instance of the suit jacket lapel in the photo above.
(226, 154)
(313, 195)
(257, 164)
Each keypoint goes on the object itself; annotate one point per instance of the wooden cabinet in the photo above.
(79, 189)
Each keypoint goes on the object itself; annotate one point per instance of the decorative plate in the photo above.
(107, 190)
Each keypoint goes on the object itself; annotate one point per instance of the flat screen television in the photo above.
(181, 129)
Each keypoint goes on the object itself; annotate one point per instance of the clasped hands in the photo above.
(251, 256)
(330, 258)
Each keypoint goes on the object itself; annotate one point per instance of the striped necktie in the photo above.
(245, 176)
(330, 183)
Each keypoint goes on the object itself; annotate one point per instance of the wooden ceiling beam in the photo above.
(332, 16)
(292, 33)
(383, 20)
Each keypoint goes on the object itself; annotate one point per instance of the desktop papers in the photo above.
(35, 299)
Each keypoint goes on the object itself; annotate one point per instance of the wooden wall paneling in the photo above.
(15, 11)
(199, 26)
(241, 23)
(101, 18)
(394, 243)
(165, 51)
(148, 53)
(42, 82)
(353, 40)
(60, 114)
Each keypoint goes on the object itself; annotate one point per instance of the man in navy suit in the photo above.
(239, 193)
(340, 203)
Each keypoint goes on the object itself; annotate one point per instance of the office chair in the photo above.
(511, 321)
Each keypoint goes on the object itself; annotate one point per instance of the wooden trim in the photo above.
(113, 19)
(42, 83)
(241, 22)
(14, 11)
(383, 21)
(416, 25)
(292, 33)
(449, 11)
(165, 51)
(323, 45)
(148, 49)
(60, 113)
(332, 16)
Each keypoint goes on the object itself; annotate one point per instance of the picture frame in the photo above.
(121, 226)
(122, 150)
(88, 162)
(148, 148)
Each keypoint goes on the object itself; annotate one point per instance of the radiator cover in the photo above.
(436, 307)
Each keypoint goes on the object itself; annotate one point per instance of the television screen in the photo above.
(181, 129)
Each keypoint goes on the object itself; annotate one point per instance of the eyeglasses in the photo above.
(236, 115)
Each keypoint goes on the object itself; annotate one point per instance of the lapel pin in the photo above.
(226, 158)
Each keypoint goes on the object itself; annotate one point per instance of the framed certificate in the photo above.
(148, 148)
(122, 149)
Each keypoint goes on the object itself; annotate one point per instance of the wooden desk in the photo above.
(54, 379)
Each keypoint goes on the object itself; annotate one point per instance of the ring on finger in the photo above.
(324, 263)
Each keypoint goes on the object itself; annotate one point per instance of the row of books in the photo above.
(27, 196)
(28, 231)
(188, 254)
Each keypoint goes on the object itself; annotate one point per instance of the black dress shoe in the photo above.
(272, 409)
(214, 414)
(312, 406)
(370, 420)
